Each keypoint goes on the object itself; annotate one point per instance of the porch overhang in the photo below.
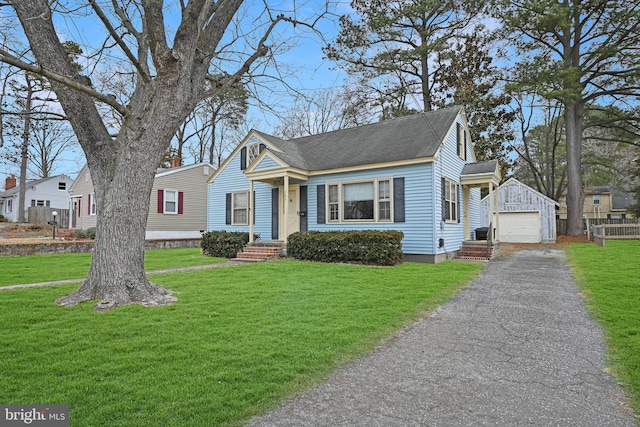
(273, 176)
(481, 174)
(276, 176)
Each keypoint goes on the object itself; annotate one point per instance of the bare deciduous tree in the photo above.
(323, 111)
(172, 58)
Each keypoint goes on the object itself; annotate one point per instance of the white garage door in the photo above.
(520, 227)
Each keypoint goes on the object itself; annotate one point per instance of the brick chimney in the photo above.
(176, 162)
(10, 182)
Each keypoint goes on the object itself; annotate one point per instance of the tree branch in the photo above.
(113, 33)
(51, 75)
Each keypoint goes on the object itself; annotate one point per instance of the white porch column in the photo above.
(251, 201)
(285, 199)
(497, 238)
(491, 208)
(465, 198)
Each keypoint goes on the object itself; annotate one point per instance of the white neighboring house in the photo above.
(178, 205)
(51, 192)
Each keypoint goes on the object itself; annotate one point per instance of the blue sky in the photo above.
(308, 70)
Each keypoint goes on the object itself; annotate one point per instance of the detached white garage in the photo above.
(526, 216)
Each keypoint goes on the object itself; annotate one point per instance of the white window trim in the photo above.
(462, 141)
(164, 202)
(253, 151)
(93, 208)
(233, 208)
(453, 208)
(376, 202)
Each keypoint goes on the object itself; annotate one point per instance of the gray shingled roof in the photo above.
(416, 136)
(622, 199)
(479, 168)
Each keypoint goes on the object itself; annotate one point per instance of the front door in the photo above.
(291, 222)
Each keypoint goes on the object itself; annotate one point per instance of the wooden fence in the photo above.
(561, 224)
(43, 214)
(603, 232)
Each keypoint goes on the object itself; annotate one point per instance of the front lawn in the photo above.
(238, 340)
(610, 280)
(48, 268)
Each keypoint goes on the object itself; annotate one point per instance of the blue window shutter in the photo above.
(304, 222)
(444, 200)
(274, 213)
(254, 208)
(398, 200)
(228, 209)
(459, 190)
(321, 204)
(458, 135)
(464, 153)
(243, 158)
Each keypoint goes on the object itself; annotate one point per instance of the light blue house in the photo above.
(416, 174)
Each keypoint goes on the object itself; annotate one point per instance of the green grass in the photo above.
(238, 340)
(610, 280)
(46, 268)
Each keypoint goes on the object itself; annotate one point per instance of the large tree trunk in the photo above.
(122, 190)
(170, 81)
(575, 194)
(116, 276)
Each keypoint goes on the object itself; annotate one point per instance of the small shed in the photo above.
(526, 215)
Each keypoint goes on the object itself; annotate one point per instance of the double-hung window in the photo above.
(170, 202)
(240, 208)
(92, 204)
(334, 203)
(360, 201)
(384, 200)
(450, 201)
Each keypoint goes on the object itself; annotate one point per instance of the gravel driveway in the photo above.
(516, 348)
